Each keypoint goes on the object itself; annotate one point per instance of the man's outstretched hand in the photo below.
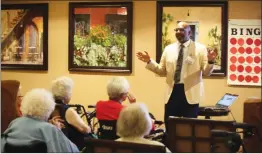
(211, 55)
(143, 56)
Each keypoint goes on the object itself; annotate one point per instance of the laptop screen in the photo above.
(227, 100)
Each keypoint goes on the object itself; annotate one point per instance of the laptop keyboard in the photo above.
(217, 108)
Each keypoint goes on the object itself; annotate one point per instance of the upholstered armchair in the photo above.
(9, 105)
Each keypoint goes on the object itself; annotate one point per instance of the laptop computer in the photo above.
(225, 102)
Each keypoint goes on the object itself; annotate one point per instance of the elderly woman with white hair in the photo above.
(36, 107)
(75, 128)
(107, 112)
(134, 123)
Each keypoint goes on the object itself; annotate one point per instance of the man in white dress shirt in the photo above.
(182, 63)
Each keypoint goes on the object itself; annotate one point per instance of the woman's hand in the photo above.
(57, 121)
(131, 97)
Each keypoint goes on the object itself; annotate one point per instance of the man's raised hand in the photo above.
(143, 56)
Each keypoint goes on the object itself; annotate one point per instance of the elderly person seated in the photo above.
(74, 127)
(107, 112)
(36, 107)
(134, 123)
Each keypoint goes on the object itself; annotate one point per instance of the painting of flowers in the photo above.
(215, 45)
(100, 37)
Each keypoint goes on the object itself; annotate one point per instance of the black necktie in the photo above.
(179, 65)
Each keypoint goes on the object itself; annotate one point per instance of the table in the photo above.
(208, 112)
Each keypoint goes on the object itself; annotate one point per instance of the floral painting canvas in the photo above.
(100, 37)
(24, 36)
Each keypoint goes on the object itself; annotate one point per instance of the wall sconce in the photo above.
(122, 11)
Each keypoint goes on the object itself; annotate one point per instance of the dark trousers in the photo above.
(178, 106)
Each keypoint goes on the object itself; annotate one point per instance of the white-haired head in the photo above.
(62, 88)
(117, 88)
(134, 121)
(38, 103)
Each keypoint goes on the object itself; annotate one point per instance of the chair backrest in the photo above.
(253, 116)
(107, 129)
(33, 147)
(57, 111)
(108, 146)
(9, 108)
(194, 135)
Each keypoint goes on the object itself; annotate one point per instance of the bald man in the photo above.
(182, 63)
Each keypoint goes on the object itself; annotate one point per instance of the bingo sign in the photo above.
(244, 52)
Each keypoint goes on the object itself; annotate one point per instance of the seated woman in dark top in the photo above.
(75, 128)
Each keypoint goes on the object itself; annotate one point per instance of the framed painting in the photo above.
(208, 21)
(24, 37)
(100, 37)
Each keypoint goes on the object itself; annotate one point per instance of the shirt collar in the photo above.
(114, 101)
(186, 44)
